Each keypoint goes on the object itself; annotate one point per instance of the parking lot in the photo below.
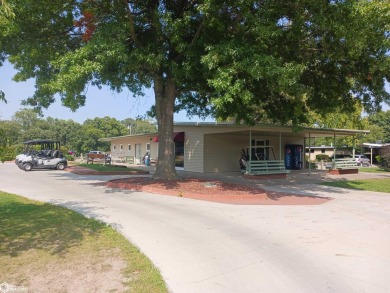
(340, 246)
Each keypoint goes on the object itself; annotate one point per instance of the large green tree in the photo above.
(66, 131)
(382, 120)
(81, 138)
(10, 132)
(140, 125)
(341, 120)
(5, 15)
(31, 126)
(243, 59)
(94, 129)
(292, 57)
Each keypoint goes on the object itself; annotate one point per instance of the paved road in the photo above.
(340, 246)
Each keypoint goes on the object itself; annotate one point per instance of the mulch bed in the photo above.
(215, 191)
(343, 171)
(86, 171)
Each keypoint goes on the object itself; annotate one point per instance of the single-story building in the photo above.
(376, 149)
(313, 151)
(216, 147)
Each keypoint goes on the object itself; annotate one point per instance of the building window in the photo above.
(260, 150)
(322, 151)
(114, 147)
(148, 147)
(121, 147)
(129, 147)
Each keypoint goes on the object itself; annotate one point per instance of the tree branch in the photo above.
(197, 34)
(131, 20)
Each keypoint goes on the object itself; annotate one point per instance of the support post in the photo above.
(280, 146)
(250, 151)
(309, 153)
(371, 155)
(334, 152)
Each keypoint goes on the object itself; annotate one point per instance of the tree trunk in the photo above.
(165, 94)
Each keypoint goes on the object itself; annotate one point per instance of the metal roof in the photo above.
(40, 141)
(260, 129)
(276, 129)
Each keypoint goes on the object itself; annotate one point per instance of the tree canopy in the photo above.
(382, 121)
(341, 120)
(5, 15)
(81, 138)
(243, 59)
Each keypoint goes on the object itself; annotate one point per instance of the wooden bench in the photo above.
(129, 159)
(265, 167)
(98, 158)
(344, 166)
(118, 159)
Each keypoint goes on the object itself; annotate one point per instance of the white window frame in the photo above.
(260, 147)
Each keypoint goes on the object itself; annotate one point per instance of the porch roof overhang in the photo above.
(151, 135)
(258, 129)
(373, 145)
(269, 129)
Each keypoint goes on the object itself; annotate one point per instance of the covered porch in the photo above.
(268, 149)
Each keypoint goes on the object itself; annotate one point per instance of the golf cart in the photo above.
(30, 148)
(41, 154)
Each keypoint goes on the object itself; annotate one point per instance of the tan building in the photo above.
(132, 148)
(313, 151)
(216, 147)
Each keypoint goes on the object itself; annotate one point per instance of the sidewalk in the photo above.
(301, 187)
(199, 246)
(293, 178)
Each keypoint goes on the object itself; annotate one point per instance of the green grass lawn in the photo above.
(109, 168)
(373, 170)
(50, 248)
(379, 185)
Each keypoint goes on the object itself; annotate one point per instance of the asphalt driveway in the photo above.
(340, 246)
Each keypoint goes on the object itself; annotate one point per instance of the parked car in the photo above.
(341, 156)
(362, 160)
(329, 165)
(95, 152)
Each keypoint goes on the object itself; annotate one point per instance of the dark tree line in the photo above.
(78, 137)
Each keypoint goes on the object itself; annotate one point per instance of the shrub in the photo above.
(7, 153)
(69, 157)
(311, 164)
(385, 160)
(322, 157)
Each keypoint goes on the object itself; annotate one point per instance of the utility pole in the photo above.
(129, 127)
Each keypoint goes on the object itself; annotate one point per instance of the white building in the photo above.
(216, 147)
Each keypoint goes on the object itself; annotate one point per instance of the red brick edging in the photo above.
(343, 171)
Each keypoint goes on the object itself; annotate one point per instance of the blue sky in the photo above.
(99, 103)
